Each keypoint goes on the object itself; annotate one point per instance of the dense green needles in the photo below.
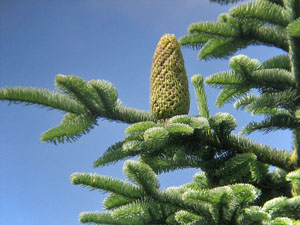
(234, 185)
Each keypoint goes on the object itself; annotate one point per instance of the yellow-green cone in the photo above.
(169, 83)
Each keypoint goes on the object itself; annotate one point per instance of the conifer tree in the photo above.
(235, 185)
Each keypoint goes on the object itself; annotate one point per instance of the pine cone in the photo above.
(169, 84)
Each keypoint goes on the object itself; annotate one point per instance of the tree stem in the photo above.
(294, 50)
(296, 139)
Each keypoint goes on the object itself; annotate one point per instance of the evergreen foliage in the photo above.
(235, 186)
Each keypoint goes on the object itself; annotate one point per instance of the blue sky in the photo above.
(95, 39)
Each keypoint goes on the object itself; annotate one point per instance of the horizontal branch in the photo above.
(264, 153)
(41, 97)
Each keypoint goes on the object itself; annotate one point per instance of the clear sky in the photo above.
(96, 39)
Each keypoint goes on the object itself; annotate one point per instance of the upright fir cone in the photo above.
(169, 84)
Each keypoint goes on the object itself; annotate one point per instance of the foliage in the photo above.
(235, 186)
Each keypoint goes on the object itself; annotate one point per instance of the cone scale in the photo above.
(169, 93)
